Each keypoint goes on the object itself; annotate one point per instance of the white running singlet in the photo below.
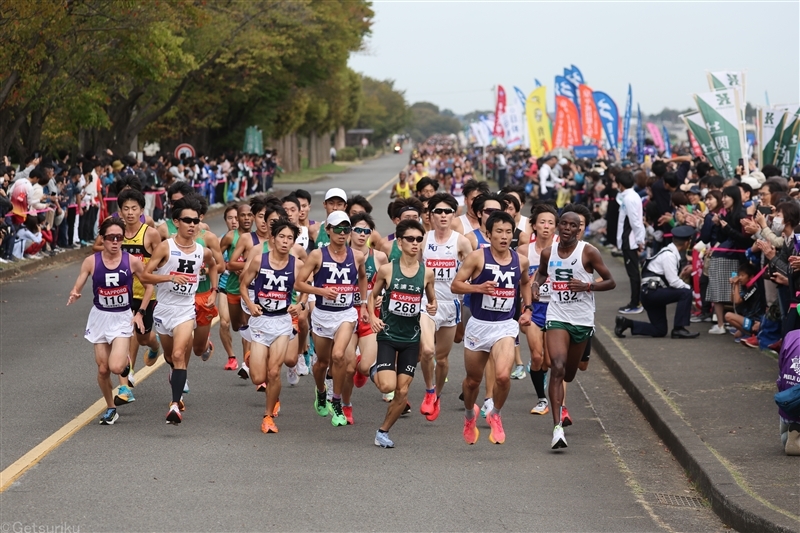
(576, 308)
(443, 260)
(180, 264)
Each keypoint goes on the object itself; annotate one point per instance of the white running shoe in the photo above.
(488, 405)
(388, 397)
(329, 389)
(131, 379)
(558, 438)
(291, 376)
(541, 408)
(716, 330)
(302, 368)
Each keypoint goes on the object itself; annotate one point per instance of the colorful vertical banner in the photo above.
(538, 122)
(695, 123)
(721, 112)
(788, 149)
(537, 83)
(639, 135)
(771, 121)
(526, 139)
(590, 120)
(727, 79)
(479, 132)
(487, 123)
(499, 111)
(609, 117)
(667, 144)
(696, 150)
(566, 132)
(574, 75)
(512, 123)
(626, 124)
(655, 133)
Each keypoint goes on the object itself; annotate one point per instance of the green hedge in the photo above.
(347, 153)
(369, 151)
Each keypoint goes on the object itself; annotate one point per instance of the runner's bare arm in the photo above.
(473, 240)
(594, 261)
(226, 240)
(159, 258)
(375, 239)
(163, 232)
(243, 247)
(299, 252)
(381, 281)
(245, 278)
(464, 247)
(213, 274)
(541, 274)
(430, 292)
(469, 269)
(151, 239)
(363, 282)
(87, 269)
(295, 309)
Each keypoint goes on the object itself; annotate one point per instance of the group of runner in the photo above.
(461, 266)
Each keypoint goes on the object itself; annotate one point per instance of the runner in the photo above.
(398, 329)
(110, 325)
(338, 273)
(401, 209)
(544, 219)
(457, 183)
(292, 206)
(569, 264)
(273, 275)
(443, 253)
(335, 200)
(401, 189)
(205, 299)
(470, 220)
(498, 275)
(232, 223)
(141, 245)
(358, 204)
(304, 201)
(175, 267)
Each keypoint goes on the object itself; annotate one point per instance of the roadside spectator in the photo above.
(630, 237)
(29, 240)
(748, 302)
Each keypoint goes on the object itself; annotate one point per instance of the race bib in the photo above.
(273, 301)
(501, 300)
(443, 269)
(544, 288)
(563, 295)
(404, 304)
(345, 297)
(203, 272)
(187, 289)
(113, 298)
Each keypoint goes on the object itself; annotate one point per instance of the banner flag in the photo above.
(572, 91)
(567, 127)
(639, 135)
(694, 121)
(770, 128)
(722, 114)
(667, 145)
(537, 82)
(696, 150)
(788, 149)
(512, 124)
(478, 131)
(487, 123)
(499, 111)
(655, 133)
(626, 124)
(727, 79)
(526, 139)
(590, 120)
(574, 75)
(609, 117)
(538, 122)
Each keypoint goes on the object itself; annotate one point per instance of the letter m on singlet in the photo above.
(185, 266)
(342, 275)
(563, 274)
(506, 277)
(275, 283)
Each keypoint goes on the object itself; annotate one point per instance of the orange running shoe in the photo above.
(565, 419)
(232, 364)
(497, 435)
(436, 408)
(359, 379)
(277, 409)
(347, 410)
(426, 407)
(471, 432)
(268, 425)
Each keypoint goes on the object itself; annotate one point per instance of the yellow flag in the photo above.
(538, 122)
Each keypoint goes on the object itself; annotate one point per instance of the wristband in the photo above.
(528, 307)
(140, 311)
(215, 289)
(590, 287)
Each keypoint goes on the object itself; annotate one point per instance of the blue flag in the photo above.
(574, 75)
(639, 135)
(537, 82)
(564, 87)
(667, 147)
(609, 117)
(521, 96)
(626, 124)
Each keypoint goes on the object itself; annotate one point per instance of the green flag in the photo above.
(694, 121)
(727, 79)
(788, 148)
(770, 128)
(721, 112)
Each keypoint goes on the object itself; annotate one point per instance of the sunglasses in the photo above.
(189, 220)
(114, 237)
(489, 210)
(362, 231)
(409, 238)
(341, 229)
(443, 211)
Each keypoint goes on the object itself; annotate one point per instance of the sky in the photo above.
(453, 53)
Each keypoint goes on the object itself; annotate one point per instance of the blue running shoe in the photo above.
(382, 439)
(124, 395)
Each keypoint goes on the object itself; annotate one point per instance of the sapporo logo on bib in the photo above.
(112, 298)
(443, 269)
(272, 301)
(339, 280)
(502, 297)
(561, 290)
(185, 268)
(404, 304)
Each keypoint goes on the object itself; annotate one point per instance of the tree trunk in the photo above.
(297, 157)
(313, 150)
(340, 138)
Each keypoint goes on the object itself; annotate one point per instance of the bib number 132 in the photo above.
(566, 296)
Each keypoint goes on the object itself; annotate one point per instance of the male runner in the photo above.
(110, 326)
(498, 275)
(470, 220)
(401, 209)
(570, 315)
(139, 240)
(206, 296)
(335, 200)
(338, 273)
(398, 328)
(232, 223)
(273, 275)
(443, 251)
(175, 267)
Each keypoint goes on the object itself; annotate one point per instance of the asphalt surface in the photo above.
(217, 471)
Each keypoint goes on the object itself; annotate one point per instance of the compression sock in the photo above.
(469, 413)
(178, 381)
(537, 376)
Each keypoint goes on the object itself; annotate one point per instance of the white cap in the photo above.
(337, 217)
(563, 161)
(336, 192)
(752, 182)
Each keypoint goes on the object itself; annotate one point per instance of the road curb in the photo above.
(728, 499)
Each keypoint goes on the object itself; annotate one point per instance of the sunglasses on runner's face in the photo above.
(409, 238)
(114, 237)
(489, 210)
(443, 211)
(189, 220)
(341, 229)
(362, 231)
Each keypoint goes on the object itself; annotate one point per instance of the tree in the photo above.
(384, 109)
(427, 120)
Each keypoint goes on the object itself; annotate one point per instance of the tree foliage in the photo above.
(384, 108)
(427, 120)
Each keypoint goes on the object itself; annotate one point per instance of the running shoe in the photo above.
(426, 407)
(631, 310)
(471, 431)
(109, 417)
(382, 439)
(181, 404)
(124, 395)
(329, 388)
(131, 380)
(751, 342)
(359, 379)
(565, 418)
(717, 330)
(205, 356)
(291, 376)
(127, 369)
(436, 409)
(337, 418)
(732, 330)
(559, 441)
(174, 415)
(268, 425)
(388, 397)
(321, 404)
(277, 409)
(150, 356)
(518, 372)
(348, 413)
(261, 387)
(407, 409)
(232, 364)
(541, 408)
(302, 367)
(497, 434)
(244, 371)
(488, 405)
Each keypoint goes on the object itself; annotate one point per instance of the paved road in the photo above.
(218, 471)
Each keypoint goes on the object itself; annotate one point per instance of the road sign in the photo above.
(184, 150)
